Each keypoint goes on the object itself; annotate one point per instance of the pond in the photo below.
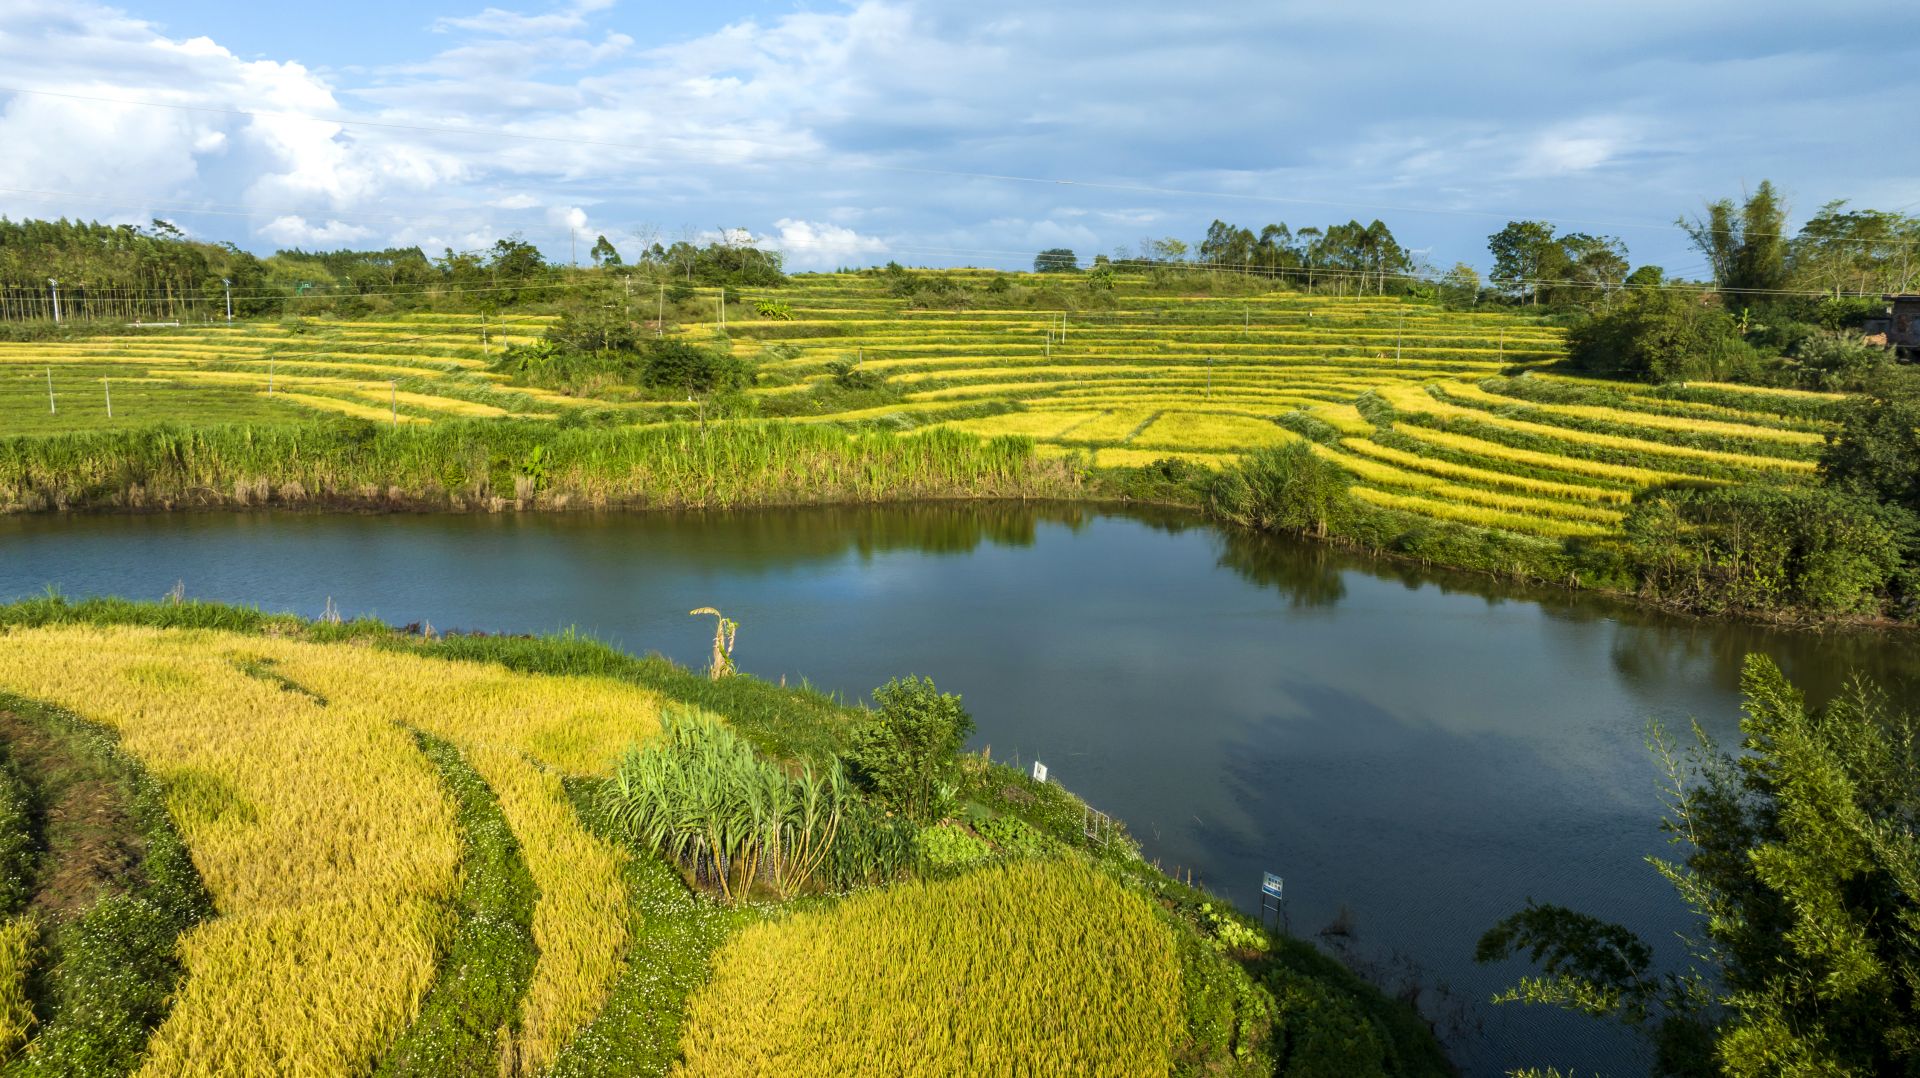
(1415, 753)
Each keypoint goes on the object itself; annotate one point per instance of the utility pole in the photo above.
(56, 298)
(270, 358)
(393, 399)
(228, 285)
(723, 308)
(1209, 377)
(660, 323)
(1399, 334)
(485, 349)
(573, 249)
(52, 408)
(107, 385)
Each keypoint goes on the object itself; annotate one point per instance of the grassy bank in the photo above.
(492, 753)
(510, 464)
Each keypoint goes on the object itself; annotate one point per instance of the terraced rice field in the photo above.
(1452, 415)
(406, 368)
(1455, 416)
(301, 777)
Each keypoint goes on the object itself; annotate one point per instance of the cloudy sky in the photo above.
(944, 133)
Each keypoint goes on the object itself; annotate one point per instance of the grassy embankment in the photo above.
(407, 868)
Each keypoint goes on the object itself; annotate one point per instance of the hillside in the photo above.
(386, 853)
(1438, 414)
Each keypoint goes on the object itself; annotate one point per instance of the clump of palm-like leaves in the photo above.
(727, 817)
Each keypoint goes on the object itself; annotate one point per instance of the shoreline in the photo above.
(1080, 495)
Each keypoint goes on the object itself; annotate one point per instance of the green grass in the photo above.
(110, 971)
(489, 961)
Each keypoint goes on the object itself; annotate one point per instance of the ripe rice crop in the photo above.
(1206, 431)
(345, 407)
(1116, 426)
(1467, 392)
(520, 732)
(1416, 399)
(1124, 457)
(1472, 514)
(1031, 424)
(18, 942)
(324, 839)
(1775, 391)
(1380, 474)
(448, 405)
(1484, 476)
(995, 972)
(1496, 451)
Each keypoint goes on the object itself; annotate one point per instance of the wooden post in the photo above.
(106, 384)
(393, 399)
(52, 408)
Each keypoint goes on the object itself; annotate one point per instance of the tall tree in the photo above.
(1525, 255)
(1746, 244)
(1800, 858)
(604, 253)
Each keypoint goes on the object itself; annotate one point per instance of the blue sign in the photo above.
(1271, 884)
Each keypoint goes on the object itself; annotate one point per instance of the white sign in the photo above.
(1039, 771)
(1271, 884)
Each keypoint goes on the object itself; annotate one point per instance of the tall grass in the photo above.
(702, 798)
(476, 463)
(1028, 967)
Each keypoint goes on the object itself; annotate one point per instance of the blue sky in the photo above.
(849, 133)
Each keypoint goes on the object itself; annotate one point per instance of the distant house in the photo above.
(1901, 325)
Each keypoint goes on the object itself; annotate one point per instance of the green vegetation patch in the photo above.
(115, 890)
(475, 998)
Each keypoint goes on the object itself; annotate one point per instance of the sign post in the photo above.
(1273, 898)
(1039, 771)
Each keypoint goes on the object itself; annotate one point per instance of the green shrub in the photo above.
(949, 846)
(904, 751)
(1662, 335)
(1284, 488)
(1757, 548)
(1012, 835)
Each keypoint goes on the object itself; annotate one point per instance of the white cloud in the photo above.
(821, 245)
(873, 113)
(293, 230)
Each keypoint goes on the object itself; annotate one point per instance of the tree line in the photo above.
(97, 272)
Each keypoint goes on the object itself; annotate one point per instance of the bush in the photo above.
(1876, 451)
(905, 751)
(1283, 488)
(1015, 836)
(681, 367)
(1837, 361)
(1659, 335)
(1761, 549)
(948, 846)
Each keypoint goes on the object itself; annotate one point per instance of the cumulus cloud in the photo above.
(822, 245)
(293, 230)
(942, 133)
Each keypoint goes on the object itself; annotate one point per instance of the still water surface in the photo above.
(1420, 751)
